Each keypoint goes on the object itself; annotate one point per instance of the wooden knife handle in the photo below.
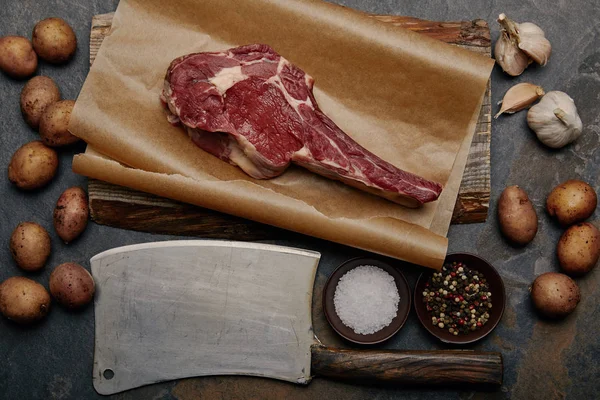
(414, 368)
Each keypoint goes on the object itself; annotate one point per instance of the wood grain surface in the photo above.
(414, 368)
(129, 209)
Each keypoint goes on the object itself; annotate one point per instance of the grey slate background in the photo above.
(543, 360)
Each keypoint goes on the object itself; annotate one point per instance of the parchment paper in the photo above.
(411, 100)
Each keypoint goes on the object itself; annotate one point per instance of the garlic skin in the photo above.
(519, 45)
(555, 120)
(519, 97)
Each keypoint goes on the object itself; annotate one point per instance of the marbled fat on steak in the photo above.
(251, 107)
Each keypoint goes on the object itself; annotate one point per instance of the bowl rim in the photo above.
(392, 270)
(417, 296)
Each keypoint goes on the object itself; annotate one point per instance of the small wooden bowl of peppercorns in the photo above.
(463, 302)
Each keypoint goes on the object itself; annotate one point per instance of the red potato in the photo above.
(37, 95)
(517, 217)
(23, 300)
(33, 166)
(71, 214)
(54, 40)
(54, 124)
(72, 285)
(578, 249)
(30, 246)
(555, 295)
(17, 58)
(572, 201)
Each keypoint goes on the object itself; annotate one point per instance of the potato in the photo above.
(30, 246)
(71, 214)
(36, 96)
(555, 295)
(54, 40)
(17, 58)
(571, 201)
(72, 285)
(32, 166)
(23, 300)
(517, 217)
(578, 249)
(54, 124)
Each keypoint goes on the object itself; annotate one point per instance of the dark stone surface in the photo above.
(543, 360)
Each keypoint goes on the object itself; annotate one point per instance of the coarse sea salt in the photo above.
(366, 299)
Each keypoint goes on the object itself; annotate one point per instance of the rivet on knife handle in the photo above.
(431, 368)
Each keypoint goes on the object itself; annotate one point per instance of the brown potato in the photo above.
(555, 295)
(571, 201)
(71, 214)
(32, 166)
(54, 40)
(23, 300)
(54, 124)
(30, 246)
(17, 58)
(39, 93)
(72, 285)
(517, 217)
(578, 249)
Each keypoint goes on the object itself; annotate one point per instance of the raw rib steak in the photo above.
(252, 108)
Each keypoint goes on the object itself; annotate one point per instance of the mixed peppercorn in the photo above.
(458, 299)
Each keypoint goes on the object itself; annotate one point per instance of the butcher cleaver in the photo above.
(177, 309)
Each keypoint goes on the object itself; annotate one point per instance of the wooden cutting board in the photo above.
(129, 209)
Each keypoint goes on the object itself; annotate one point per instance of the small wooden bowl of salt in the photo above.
(366, 301)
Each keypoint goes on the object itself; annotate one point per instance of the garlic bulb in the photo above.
(520, 96)
(519, 45)
(555, 120)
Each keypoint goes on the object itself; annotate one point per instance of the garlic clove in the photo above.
(519, 97)
(508, 55)
(555, 120)
(538, 48)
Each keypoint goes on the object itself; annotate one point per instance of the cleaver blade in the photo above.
(178, 309)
